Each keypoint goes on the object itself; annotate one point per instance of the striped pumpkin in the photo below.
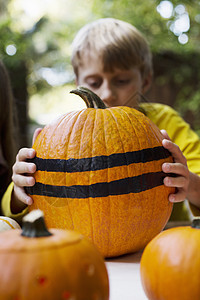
(99, 173)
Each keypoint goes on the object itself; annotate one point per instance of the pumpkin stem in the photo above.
(34, 225)
(90, 98)
(196, 223)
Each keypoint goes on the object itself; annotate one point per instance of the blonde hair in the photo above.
(118, 43)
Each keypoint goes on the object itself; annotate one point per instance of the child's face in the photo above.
(116, 88)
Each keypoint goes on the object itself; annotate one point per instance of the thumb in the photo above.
(36, 133)
(165, 134)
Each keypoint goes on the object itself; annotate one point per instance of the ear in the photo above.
(147, 82)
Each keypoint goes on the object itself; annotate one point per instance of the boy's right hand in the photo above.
(23, 173)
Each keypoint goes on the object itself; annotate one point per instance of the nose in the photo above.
(107, 94)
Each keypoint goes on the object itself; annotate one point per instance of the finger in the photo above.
(178, 182)
(22, 180)
(178, 197)
(176, 168)
(175, 151)
(24, 167)
(22, 196)
(36, 133)
(25, 153)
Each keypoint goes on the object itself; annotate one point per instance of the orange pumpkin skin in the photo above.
(62, 266)
(170, 265)
(120, 206)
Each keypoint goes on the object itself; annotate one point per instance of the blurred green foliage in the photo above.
(47, 43)
(144, 16)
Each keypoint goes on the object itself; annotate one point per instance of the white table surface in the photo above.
(124, 277)
(124, 273)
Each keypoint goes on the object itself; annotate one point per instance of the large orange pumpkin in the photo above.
(170, 264)
(99, 172)
(38, 264)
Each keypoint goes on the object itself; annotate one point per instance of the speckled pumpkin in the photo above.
(54, 265)
(99, 172)
(170, 264)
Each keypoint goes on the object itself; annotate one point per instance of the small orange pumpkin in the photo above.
(56, 264)
(99, 171)
(170, 264)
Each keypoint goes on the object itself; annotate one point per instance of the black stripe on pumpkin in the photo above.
(135, 184)
(95, 163)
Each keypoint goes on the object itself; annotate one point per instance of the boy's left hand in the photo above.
(178, 167)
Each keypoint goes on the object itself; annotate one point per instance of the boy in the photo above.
(113, 59)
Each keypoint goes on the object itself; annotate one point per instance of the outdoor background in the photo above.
(35, 39)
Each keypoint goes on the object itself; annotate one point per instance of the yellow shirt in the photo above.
(178, 130)
(188, 141)
(180, 133)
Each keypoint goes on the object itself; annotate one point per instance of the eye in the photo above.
(94, 83)
(122, 81)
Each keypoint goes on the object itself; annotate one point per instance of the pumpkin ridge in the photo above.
(54, 128)
(81, 114)
(73, 126)
(153, 206)
(78, 115)
(89, 200)
(158, 137)
(109, 218)
(67, 200)
(150, 216)
(129, 171)
(133, 116)
(42, 141)
(118, 117)
(46, 162)
(88, 117)
(141, 121)
(119, 134)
